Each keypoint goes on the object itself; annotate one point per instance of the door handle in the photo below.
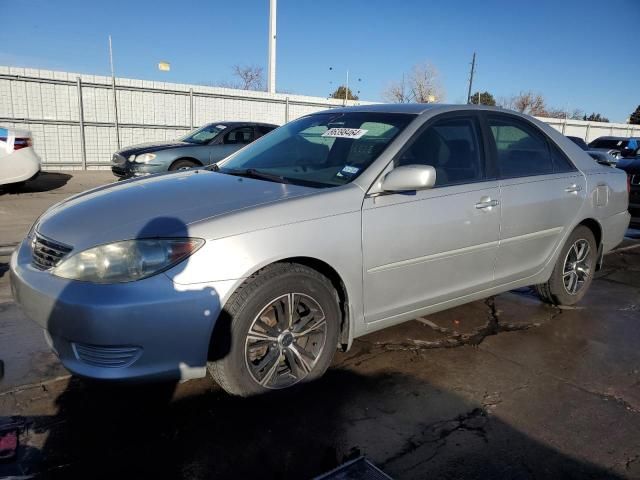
(487, 203)
(574, 188)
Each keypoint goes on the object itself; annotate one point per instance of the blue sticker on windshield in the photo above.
(348, 171)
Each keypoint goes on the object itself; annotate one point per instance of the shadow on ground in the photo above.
(44, 182)
(393, 418)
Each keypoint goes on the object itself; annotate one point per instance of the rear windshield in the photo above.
(612, 143)
(580, 142)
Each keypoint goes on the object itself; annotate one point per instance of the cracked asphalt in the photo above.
(507, 387)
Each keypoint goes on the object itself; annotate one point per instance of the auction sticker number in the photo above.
(344, 133)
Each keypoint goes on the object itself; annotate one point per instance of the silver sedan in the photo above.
(333, 226)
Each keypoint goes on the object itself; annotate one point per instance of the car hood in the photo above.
(157, 206)
(152, 147)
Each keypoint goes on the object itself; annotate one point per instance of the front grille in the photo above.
(118, 159)
(635, 179)
(110, 356)
(46, 253)
(119, 171)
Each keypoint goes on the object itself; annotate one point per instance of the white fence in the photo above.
(73, 122)
(592, 130)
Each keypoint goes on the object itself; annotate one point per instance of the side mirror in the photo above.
(409, 177)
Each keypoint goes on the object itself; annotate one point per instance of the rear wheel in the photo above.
(283, 331)
(574, 269)
(182, 165)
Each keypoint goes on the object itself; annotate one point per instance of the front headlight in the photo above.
(144, 158)
(127, 261)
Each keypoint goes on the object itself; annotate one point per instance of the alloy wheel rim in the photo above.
(285, 340)
(577, 267)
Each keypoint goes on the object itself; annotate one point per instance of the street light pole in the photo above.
(346, 90)
(271, 70)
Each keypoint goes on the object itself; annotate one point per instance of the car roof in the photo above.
(609, 137)
(236, 123)
(415, 108)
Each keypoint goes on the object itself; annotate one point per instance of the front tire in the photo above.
(182, 165)
(574, 269)
(284, 325)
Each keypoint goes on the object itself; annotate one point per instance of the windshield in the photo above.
(322, 150)
(204, 134)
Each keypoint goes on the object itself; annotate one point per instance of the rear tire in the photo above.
(573, 271)
(266, 348)
(182, 165)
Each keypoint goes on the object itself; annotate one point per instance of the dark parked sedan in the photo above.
(600, 156)
(632, 167)
(204, 146)
(626, 146)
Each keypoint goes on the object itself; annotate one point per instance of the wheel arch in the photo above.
(334, 277)
(190, 159)
(328, 271)
(595, 227)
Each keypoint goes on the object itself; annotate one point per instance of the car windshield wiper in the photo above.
(253, 173)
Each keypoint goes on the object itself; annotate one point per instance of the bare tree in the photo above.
(525, 102)
(422, 85)
(397, 92)
(425, 84)
(251, 77)
(575, 114)
(530, 103)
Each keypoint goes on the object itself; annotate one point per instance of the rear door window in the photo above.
(522, 150)
(263, 130)
(239, 136)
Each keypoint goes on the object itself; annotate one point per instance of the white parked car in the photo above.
(18, 161)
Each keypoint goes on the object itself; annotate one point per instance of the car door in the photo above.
(230, 142)
(541, 193)
(426, 247)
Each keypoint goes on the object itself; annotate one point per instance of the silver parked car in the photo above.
(336, 225)
(203, 146)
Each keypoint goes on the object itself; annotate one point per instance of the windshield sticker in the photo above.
(348, 171)
(344, 133)
(221, 127)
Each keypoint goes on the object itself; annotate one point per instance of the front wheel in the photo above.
(182, 165)
(574, 269)
(284, 324)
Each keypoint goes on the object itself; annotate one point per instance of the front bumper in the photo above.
(131, 169)
(145, 330)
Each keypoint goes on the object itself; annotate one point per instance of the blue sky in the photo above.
(577, 53)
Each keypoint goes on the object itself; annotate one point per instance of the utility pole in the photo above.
(271, 70)
(115, 97)
(473, 68)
